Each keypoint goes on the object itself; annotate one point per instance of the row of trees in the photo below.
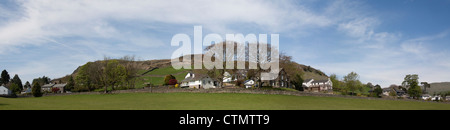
(109, 73)
(16, 86)
(350, 84)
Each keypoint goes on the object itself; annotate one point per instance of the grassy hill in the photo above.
(439, 87)
(208, 101)
(163, 67)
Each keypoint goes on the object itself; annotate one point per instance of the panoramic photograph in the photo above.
(224, 55)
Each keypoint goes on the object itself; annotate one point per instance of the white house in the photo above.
(5, 91)
(249, 83)
(198, 81)
(317, 85)
(227, 77)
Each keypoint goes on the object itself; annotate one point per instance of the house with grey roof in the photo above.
(49, 87)
(282, 81)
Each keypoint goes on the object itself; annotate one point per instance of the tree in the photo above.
(370, 85)
(337, 85)
(36, 90)
(27, 85)
(4, 79)
(131, 67)
(409, 80)
(412, 83)
(70, 84)
(41, 80)
(16, 80)
(352, 82)
(377, 91)
(425, 86)
(83, 80)
(115, 74)
(14, 89)
(297, 80)
(168, 78)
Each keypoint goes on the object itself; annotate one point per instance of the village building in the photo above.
(312, 85)
(47, 87)
(227, 78)
(282, 81)
(249, 83)
(4, 91)
(198, 81)
(60, 87)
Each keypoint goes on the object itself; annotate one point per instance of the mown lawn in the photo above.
(208, 101)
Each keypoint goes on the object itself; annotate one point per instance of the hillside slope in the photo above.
(439, 87)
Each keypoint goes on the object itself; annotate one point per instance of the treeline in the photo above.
(351, 85)
(108, 74)
(15, 84)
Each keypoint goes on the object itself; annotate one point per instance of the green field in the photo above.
(208, 101)
(156, 77)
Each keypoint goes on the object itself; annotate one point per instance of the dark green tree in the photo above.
(27, 85)
(16, 80)
(297, 80)
(36, 90)
(41, 80)
(14, 89)
(70, 84)
(4, 79)
(377, 91)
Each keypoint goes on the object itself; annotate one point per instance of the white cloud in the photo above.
(95, 18)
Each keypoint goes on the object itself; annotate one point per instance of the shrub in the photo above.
(55, 90)
(177, 85)
(172, 82)
(168, 78)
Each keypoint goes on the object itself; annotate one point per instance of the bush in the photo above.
(172, 82)
(168, 78)
(55, 90)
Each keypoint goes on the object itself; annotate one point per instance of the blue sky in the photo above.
(382, 40)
